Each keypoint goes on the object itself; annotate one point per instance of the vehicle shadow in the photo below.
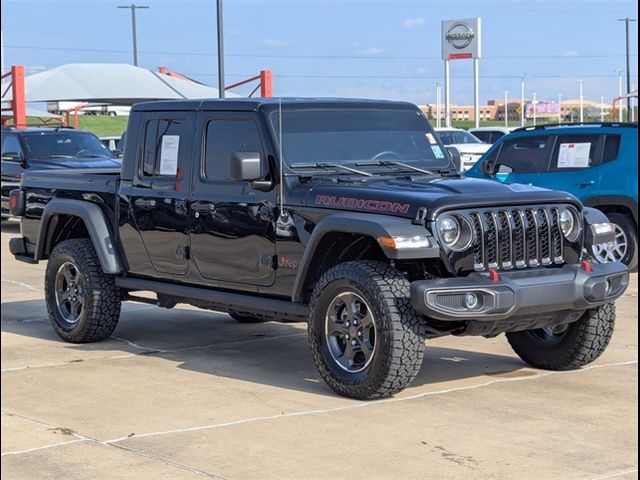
(272, 353)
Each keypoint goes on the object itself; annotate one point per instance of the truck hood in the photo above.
(471, 148)
(58, 163)
(404, 197)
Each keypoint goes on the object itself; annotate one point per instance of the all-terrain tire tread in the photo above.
(103, 300)
(591, 336)
(407, 330)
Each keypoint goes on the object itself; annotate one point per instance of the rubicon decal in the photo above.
(362, 204)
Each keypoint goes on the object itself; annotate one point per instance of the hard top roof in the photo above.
(254, 104)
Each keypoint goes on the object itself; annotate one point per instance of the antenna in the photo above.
(283, 214)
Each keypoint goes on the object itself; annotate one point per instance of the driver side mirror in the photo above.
(247, 167)
(13, 157)
(454, 154)
(488, 168)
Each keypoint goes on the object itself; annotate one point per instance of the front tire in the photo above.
(366, 340)
(570, 348)
(82, 301)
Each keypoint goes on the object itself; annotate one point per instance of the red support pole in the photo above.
(19, 100)
(266, 83)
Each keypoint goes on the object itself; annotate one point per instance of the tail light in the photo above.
(16, 202)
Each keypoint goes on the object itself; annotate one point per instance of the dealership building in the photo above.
(494, 110)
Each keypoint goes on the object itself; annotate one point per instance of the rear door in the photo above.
(233, 225)
(574, 165)
(523, 159)
(157, 194)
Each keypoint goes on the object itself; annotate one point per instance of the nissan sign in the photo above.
(461, 39)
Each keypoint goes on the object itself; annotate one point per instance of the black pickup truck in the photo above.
(348, 214)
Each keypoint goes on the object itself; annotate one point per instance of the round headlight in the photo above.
(449, 229)
(569, 224)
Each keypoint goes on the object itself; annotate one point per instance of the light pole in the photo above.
(602, 109)
(619, 94)
(522, 122)
(535, 102)
(438, 100)
(627, 21)
(506, 108)
(581, 102)
(133, 7)
(220, 49)
(560, 109)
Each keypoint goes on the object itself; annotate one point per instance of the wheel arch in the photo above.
(615, 204)
(353, 236)
(63, 219)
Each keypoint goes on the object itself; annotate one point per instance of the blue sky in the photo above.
(381, 49)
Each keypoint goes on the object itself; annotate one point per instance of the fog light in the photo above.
(470, 301)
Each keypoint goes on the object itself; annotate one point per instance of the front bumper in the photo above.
(520, 293)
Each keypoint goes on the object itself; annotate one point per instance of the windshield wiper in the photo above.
(388, 163)
(329, 165)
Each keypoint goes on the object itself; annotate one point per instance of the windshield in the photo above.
(456, 137)
(348, 137)
(65, 144)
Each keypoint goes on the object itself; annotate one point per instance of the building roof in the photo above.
(110, 83)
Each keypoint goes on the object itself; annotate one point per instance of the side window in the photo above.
(524, 155)
(496, 135)
(485, 136)
(10, 144)
(574, 151)
(223, 138)
(164, 144)
(611, 148)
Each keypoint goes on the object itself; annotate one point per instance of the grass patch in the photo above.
(103, 125)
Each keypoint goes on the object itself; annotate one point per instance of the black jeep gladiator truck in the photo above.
(348, 214)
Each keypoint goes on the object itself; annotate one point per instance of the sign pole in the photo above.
(506, 108)
(447, 95)
(476, 92)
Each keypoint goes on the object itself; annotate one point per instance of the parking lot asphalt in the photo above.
(185, 393)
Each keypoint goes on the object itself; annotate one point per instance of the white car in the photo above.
(470, 147)
(490, 134)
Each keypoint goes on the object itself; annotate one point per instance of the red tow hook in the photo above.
(586, 266)
(494, 275)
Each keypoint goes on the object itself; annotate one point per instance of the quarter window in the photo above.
(225, 137)
(611, 148)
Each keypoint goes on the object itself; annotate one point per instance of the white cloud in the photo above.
(571, 53)
(371, 51)
(273, 43)
(413, 22)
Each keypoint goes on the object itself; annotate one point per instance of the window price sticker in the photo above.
(169, 155)
(574, 155)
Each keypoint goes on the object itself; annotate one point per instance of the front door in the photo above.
(232, 224)
(522, 159)
(158, 193)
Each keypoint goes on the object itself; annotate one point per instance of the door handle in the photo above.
(203, 207)
(146, 203)
(586, 183)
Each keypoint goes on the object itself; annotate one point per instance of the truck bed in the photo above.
(104, 180)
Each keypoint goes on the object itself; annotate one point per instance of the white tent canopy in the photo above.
(33, 112)
(106, 83)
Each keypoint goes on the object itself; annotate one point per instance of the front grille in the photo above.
(516, 238)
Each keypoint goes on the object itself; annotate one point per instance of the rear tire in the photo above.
(625, 245)
(82, 301)
(579, 344)
(366, 339)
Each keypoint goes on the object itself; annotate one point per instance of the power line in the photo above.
(311, 76)
(313, 57)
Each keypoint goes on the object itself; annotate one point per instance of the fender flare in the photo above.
(615, 201)
(95, 222)
(371, 225)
